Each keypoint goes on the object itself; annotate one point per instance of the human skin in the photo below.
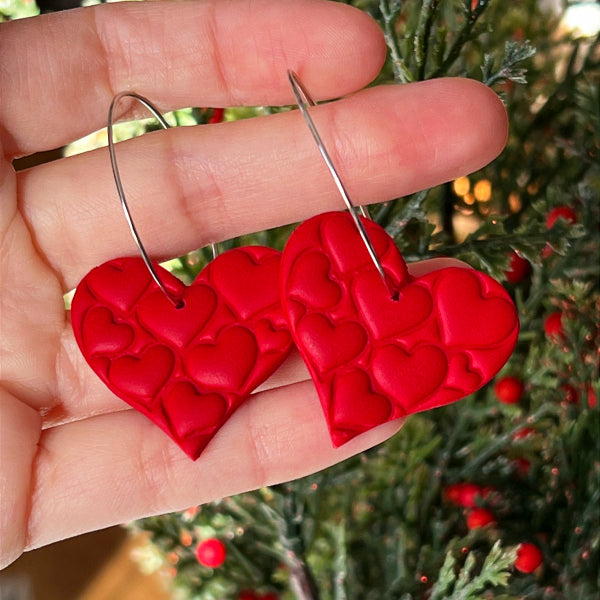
(75, 458)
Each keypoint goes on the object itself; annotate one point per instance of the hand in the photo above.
(74, 457)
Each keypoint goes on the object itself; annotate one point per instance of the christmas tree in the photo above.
(496, 496)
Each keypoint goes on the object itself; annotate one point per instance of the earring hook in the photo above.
(304, 100)
(115, 169)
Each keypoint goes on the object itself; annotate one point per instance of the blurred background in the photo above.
(496, 496)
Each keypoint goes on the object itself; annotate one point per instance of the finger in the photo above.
(191, 186)
(119, 467)
(66, 67)
(32, 311)
(83, 395)
(19, 434)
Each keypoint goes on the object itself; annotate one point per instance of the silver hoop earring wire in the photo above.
(115, 169)
(304, 101)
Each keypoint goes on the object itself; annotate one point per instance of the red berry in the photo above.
(522, 465)
(465, 494)
(217, 115)
(248, 595)
(211, 553)
(509, 389)
(523, 433)
(529, 558)
(553, 325)
(591, 394)
(546, 251)
(518, 269)
(568, 214)
(479, 517)
(571, 396)
(452, 493)
(457, 492)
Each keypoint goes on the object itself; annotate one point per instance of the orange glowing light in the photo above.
(461, 186)
(483, 190)
(186, 538)
(533, 188)
(514, 202)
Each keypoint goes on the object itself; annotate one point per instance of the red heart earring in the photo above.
(184, 356)
(379, 343)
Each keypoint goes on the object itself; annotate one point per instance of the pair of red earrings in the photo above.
(379, 343)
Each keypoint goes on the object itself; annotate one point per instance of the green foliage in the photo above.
(463, 584)
(393, 529)
(514, 53)
(17, 9)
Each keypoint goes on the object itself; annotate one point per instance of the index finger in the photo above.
(60, 71)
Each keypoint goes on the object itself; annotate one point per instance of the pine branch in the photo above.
(340, 564)
(423, 33)
(384, 212)
(488, 247)
(302, 581)
(561, 97)
(501, 442)
(445, 579)
(465, 578)
(412, 208)
(494, 573)
(447, 212)
(390, 11)
(514, 53)
(463, 37)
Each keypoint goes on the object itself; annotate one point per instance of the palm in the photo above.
(75, 457)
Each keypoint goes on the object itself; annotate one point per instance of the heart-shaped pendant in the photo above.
(374, 357)
(188, 368)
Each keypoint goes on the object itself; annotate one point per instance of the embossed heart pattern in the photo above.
(372, 358)
(376, 356)
(176, 365)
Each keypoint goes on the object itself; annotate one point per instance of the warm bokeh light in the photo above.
(185, 538)
(469, 199)
(582, 19)
(533, 189)
(461, 186)
(464, 224)
(483, 190)
(514, 202)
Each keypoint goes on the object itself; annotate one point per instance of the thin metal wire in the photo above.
(304, 100)
(115, 169)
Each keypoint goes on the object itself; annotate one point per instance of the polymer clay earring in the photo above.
(184, 356)
(379, 343)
